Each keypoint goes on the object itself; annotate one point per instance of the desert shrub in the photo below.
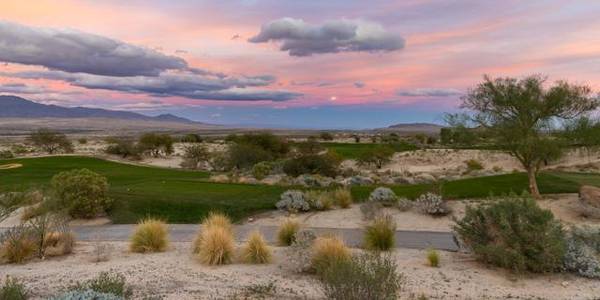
(473, 165)
(383, 195)
(12, 289)
(51, 234)
(123, 147)
(309, 147)
(432, 204)
(58, 243)
(324, 164)
(82, 141)
(370, 209)
(17, 244)
(328, 251)
(366, 276)
(287, 232)
(319, 200)
(6, 154)
(156, 144)
(404, 204)
(82, 193)
(51, 141)
(215, 219)
(377, 156)
(380, 234)
(433, 258)
(19, 149)
(293, 201)
(105, 283)
(86, 295)
(342, 197)
(514, 233)
(299, 254)
(256, 250)
(582, 255)
(261, 170)
(194, 156)
(215, 246)
(191, 138)
(150, 235)
(326, 136)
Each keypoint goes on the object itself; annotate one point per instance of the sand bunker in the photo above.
(10, 166)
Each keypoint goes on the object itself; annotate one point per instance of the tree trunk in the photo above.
(533, 187)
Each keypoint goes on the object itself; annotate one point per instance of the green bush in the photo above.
(194, 156)
(156, 144)
(123, 147)
(12, 289)
(244, 156)
(433, 258)
(108, 283)
(367, 276)
(514, 233)
(51, 141)
(6, 154)
(326, 165)
(83, 193)
(261, 170)
(380, 234)
(473, 165)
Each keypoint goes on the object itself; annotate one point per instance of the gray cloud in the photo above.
(174, 83)
(302, 39)
(21, 88)
(75, 51)
(359, 84)
(429, 92)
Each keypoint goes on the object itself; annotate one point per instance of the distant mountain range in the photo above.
(16, 107)
(414, 128)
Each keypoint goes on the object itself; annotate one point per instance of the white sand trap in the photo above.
(10, 166)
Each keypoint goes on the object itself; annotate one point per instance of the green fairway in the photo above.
(177, 196)
(353, 151)
(180, 196)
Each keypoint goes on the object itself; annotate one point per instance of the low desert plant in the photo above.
(287, 231)
(432, 204)
(404, 204)
(383, 195)
(380, 234)
(299, 254)
(582, 255)
(256, 250)
(261, 170)
(342, 197)
(85, 295)
(215, 246)
(473, 165)
(12, 289)
(6, 154)
(514, 233)
(293, 201)
(319, 200)
(58, 243)
(366, 276)
(17, 244)
(151, 235)
(106, 283)
(218, 220)
(433, 258)
(328, 251)
(83, 193)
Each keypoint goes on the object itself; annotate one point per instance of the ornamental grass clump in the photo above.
(287, 231)
(380, 234)
(151, 235)
(328, 251)
(342, 197)
(215, 246)
(256, 250)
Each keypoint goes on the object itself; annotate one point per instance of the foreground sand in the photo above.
(176, 274)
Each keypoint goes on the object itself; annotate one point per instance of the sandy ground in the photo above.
(565, 207)
(176, 274)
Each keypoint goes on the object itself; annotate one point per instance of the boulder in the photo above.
(219, 178)
(358, 180)
(424, 178)
(589, 197)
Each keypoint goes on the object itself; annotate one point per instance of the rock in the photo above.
(403, 180)
(358, 180)
(589, 197)
(424, 178)
(248, 180)
(272, 179)
(313, 181)
(219, 178)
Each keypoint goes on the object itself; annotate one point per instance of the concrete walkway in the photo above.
(353, 237)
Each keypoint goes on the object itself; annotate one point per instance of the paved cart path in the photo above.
(352, 236)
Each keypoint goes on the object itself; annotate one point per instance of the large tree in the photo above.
(521, 114)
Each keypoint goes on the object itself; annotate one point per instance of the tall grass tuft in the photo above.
(18, 246)
(256, 250)
(328, 251)
(218, 219)
(380, 234)
(151, 235)
(433, 258)
(287, 231)
(12, 289)
(59, 243)
(215, 246)
(342, 197)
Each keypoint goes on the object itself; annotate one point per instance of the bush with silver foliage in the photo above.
(383, 195)
(293, 201)
(582, 255)
(432, 204)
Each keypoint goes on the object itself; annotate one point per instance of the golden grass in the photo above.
(433, 258)
(151, 235)
(215, 246)
(59, 243)
(18, 250)
(256, 250)
(287, 231)
(380, 234)
(328, 250)
(342, 197)
(218, 219)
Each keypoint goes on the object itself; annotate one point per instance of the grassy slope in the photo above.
(185, 197)
(353, 151)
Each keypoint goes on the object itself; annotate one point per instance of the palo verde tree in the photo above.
(520, 116)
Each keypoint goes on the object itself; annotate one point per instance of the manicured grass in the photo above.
(353, 151)
(175, 196)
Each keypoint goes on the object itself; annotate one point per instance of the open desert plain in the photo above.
(299, 150)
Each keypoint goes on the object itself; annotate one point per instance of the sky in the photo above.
(288, 63)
